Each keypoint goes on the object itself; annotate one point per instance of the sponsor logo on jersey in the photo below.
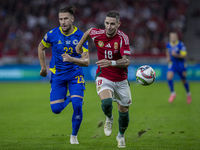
(100, 43)
(115, 45)
(75, 42)
(59, 42)
(51, 31)
(67, 42)
(127, 52)
(108, 45)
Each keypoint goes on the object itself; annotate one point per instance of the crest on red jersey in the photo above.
(100, 43)
(116, 45)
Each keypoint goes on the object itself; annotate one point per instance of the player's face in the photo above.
(173, 37)
(66, 21)
(111, 26)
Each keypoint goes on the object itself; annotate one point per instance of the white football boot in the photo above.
(73, 139)
(108, 126)
(121, 142)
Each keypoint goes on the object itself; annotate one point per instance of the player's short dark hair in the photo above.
(70, 9)
(113, 14)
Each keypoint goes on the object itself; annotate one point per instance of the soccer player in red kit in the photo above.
(111, 75)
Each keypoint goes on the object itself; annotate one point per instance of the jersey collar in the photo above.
(75, 29)
(173, 44)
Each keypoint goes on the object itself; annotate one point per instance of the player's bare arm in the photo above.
(83, 61)
(121, 63)
(41, 56)
(181, 56)
(167, 56)
(84, 38)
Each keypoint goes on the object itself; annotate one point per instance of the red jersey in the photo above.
(112, 49)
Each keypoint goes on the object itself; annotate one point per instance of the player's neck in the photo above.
(69, 31)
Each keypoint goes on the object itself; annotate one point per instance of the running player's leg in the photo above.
(77, 94)
(105, 93)
(58, 99)
(123, 121)
(122, 96)
(183, 76)
(170, 76)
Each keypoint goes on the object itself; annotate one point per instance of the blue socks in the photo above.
(77, 115)
(171, 85)
(186, 85)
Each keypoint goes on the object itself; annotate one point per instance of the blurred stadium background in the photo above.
(146, 22)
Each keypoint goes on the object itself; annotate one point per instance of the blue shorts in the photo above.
(62, 82)
(178, 68)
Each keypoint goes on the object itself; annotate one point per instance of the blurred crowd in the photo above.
(146, 22)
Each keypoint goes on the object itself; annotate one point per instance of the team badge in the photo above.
(100, 43)
(75, 42)
(116, 45)
(98, 88)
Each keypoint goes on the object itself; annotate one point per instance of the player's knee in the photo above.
(106, 103)
(77, 104)
(56, 108)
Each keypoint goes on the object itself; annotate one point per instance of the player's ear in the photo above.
(119, 24)
(72, 19)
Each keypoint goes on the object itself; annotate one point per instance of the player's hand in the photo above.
(104, 63)
(79, 49)
(174, 53)
(66, 58)
(43, 72)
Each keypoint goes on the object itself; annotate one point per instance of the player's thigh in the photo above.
(104, 88)
(122, 109)
(170, 74)
(182, 71)
(122, 93)
(105, 94)
(58, 89)
(76, 90)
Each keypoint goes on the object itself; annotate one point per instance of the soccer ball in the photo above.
(145, 75)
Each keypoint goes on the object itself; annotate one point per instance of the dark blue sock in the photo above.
(77, 115)
(186, 85)
(171, 85)
(67, 101)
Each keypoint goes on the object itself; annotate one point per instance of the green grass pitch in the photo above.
(27, 123)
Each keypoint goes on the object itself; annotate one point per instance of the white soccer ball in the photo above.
(145, 75)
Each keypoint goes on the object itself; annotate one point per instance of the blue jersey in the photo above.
(179, 48)
(177, 64)
(60, 44)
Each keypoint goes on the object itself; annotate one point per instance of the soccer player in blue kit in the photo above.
(65, 67)
(176, 56)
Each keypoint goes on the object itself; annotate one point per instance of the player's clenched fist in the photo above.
(66, 58)
(43, 72)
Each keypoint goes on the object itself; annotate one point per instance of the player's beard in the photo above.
(110, 33)
(67, 29)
